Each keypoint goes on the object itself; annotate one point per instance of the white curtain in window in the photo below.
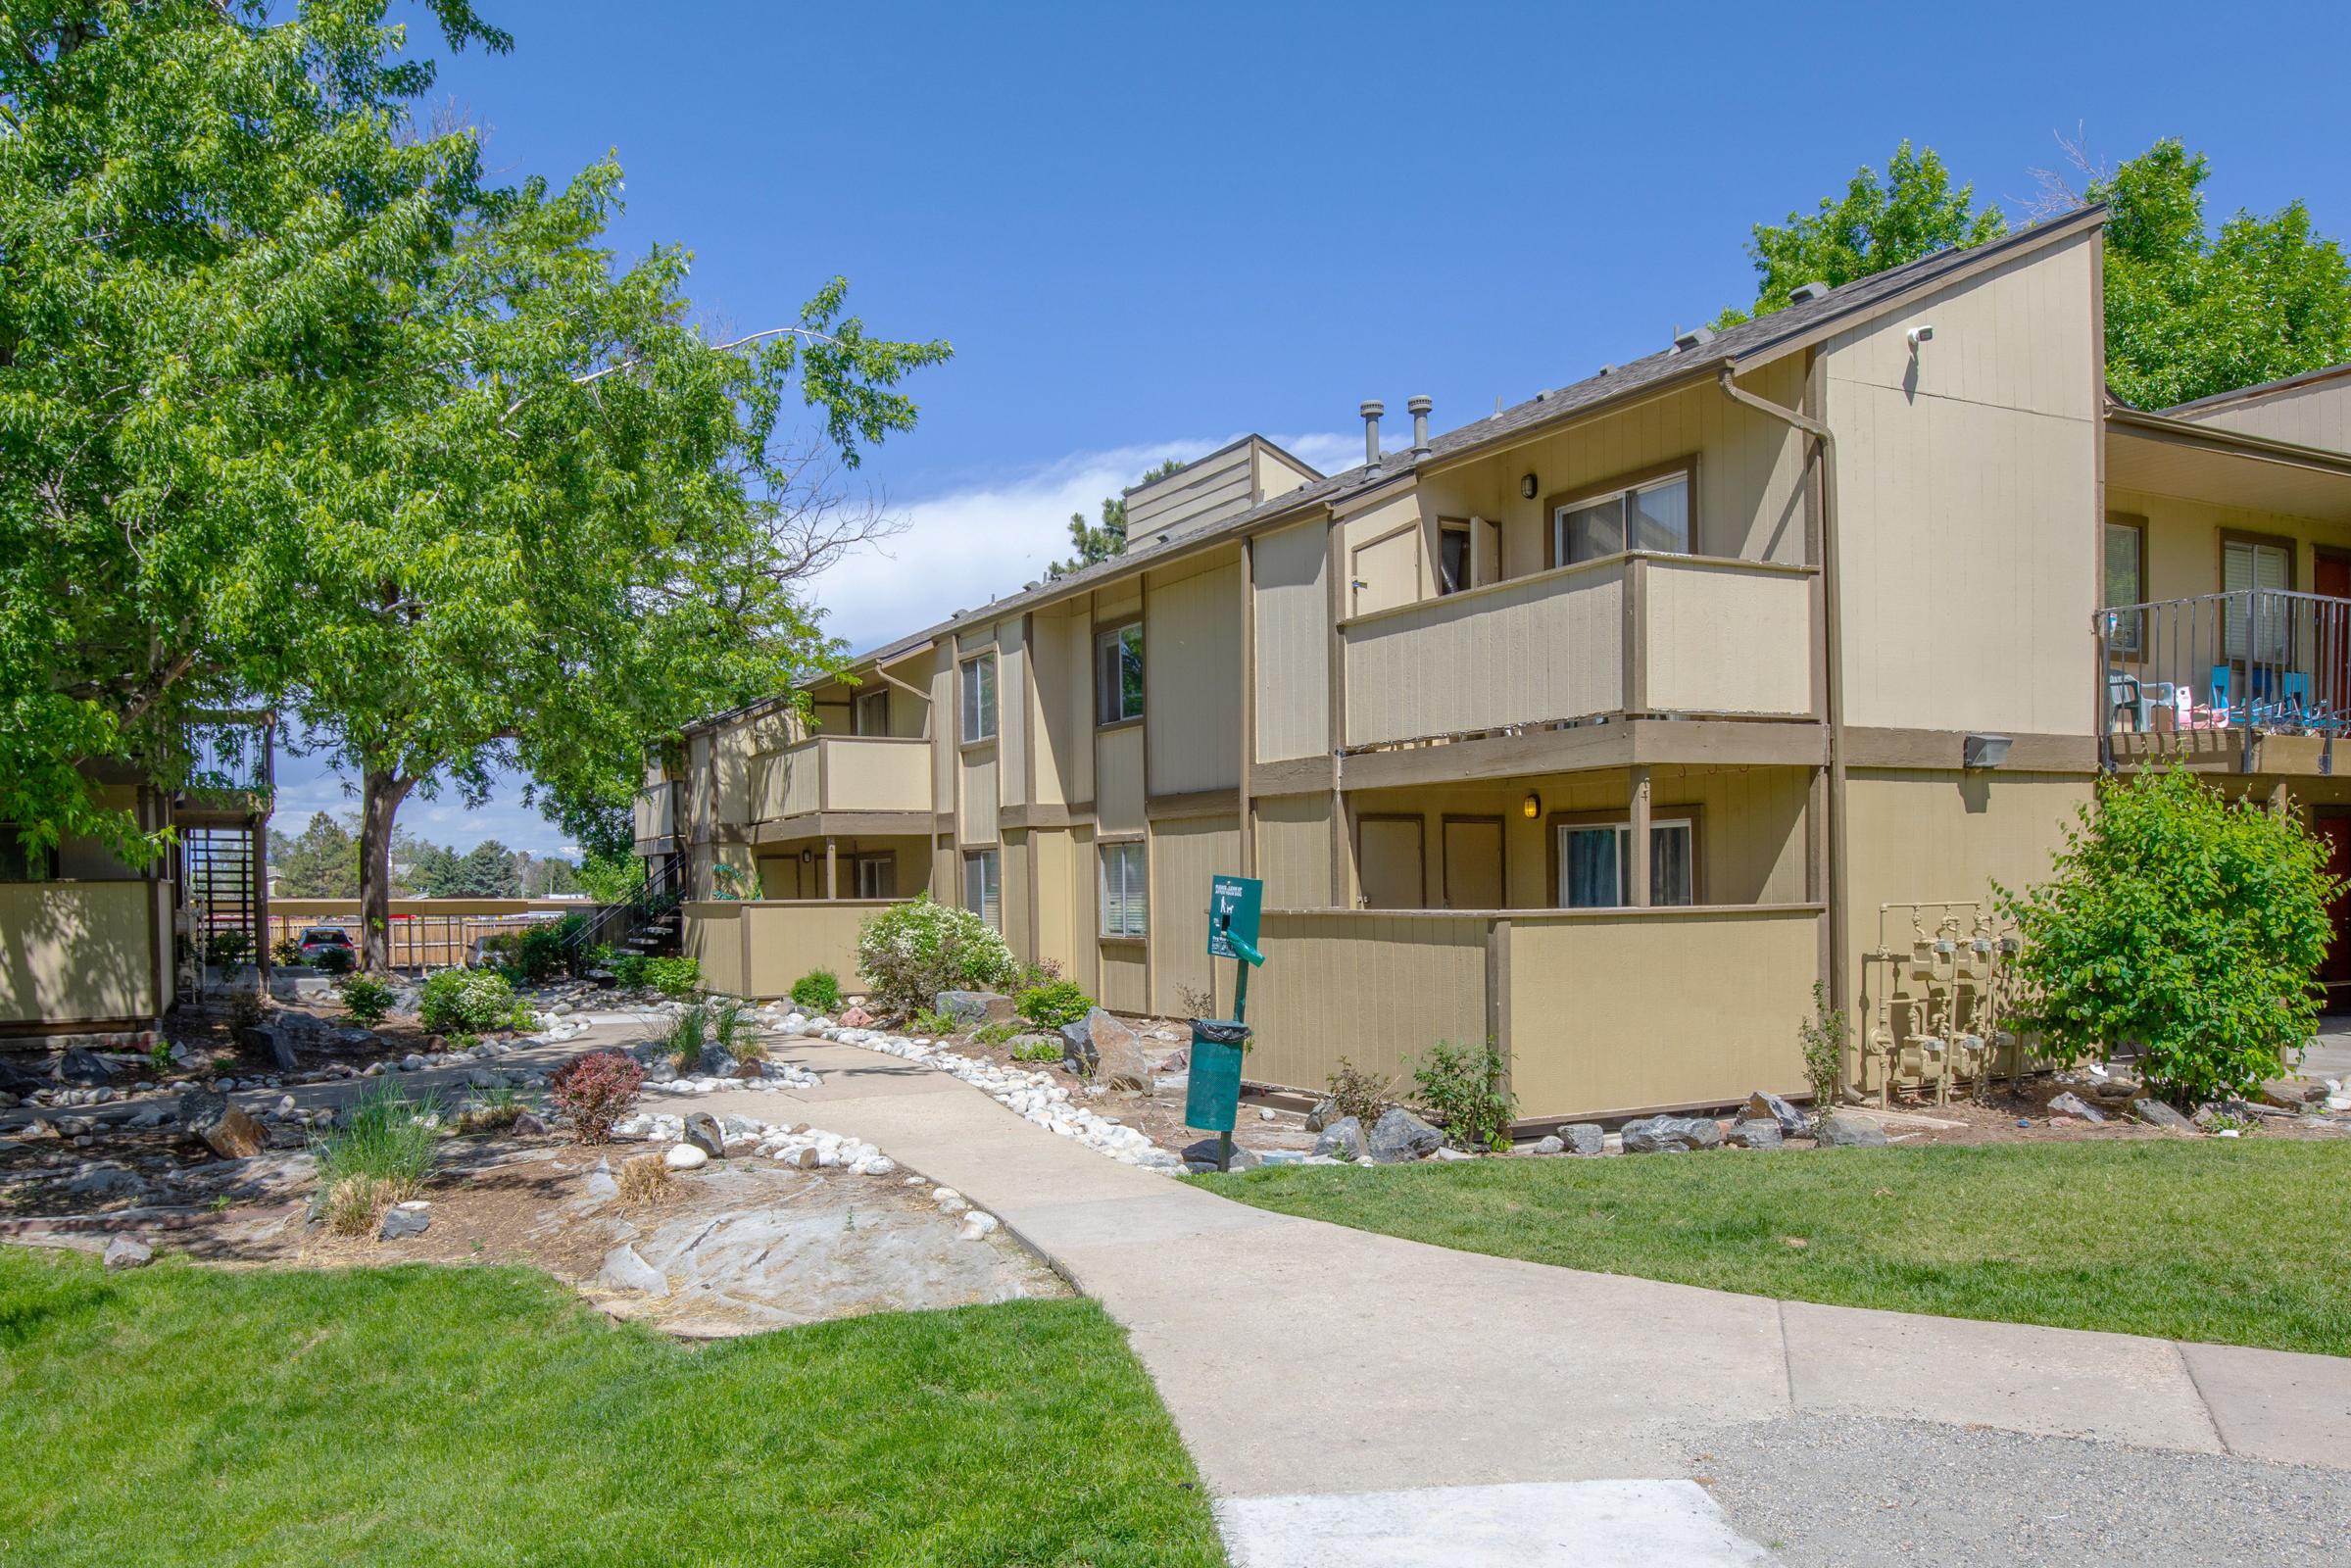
(1125, 897)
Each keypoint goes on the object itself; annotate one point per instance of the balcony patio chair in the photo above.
(2128, 693)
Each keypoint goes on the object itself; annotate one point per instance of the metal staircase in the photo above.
(647, 924)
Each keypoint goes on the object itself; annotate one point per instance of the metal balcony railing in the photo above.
(2253, 661)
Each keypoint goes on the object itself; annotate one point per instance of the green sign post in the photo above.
(1213, 1093)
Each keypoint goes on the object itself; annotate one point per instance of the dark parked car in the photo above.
(320, 938)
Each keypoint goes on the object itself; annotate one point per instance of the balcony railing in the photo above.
(1637, 633)
(2224, 673)
(230, 755)
(842, 773)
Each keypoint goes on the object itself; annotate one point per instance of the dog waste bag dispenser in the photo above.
(1212, 1097)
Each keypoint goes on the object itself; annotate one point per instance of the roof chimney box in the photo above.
(1696, 338)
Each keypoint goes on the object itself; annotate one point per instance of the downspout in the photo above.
(1832, 682)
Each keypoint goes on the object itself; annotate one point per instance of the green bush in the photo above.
(1823, 1040)
(333, 960)
(926, 1022)
(1053, 1003)
(285, 952)
(367, 999)
(913, 951)
(1360, 1094)
(1037, 1051)
(536, 952)
(1462, 1091)
(227, 950)
(819, 991)
(2182, 924)
(673, 977)
(470, 1001)
(628, 970)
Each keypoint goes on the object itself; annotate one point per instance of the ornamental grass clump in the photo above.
(914, 951)
(378, 1155)
(2181, 925)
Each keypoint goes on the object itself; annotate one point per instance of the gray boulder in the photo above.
(1671, 1134)
(2069, 1103)
(1754, 1133)
(1764, 1106)
(1325, 1112)
(127, 1251)
(1398, 1136)
(1118, 1060)
(1202, 1155)
(704, 1133)
(1839, 1131)
(601, 1186)
(223, 1125)
(625, 1270)
(399, 1224)
(1548, 1144)
(2291, 1094)
(528, 1125)
(2112, 1091)
(86, 1069)
(1078, 1056)
(1342, 1139)
(971, 1008)
(716, 1061)
(2155, 1114)
(1584, 1138)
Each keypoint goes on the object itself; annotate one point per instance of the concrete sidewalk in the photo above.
(1302, 1359)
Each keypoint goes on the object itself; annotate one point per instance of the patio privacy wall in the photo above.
(79, 951)
(1712, 1017)
(757, 947)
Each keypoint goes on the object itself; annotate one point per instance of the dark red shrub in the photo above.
(596, 1091)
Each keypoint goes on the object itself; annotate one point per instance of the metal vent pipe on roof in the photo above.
(1420, 407)
(1371, 409)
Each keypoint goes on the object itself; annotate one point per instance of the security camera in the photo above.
(1921, 333)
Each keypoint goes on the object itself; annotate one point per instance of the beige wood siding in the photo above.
(1727, 639)
(1750, 473)
(710, 932)
(2315, 415)
(783, 941)
(1294, 621)
(1060, 665)
(1123, 988)
(1294, 850)
(1192, 680)
(78, 952)
(1967, 504)
(1118, 778)
(1186, 855)
(978, 797)
(1375, 988)
(1277, 475)
(1541, 648)
(1014, 871)
(875, 774)
(1057, 905)
(1011, 712)
(1085, 916)
(786, 783)
(1386, 572)
(1623, 1010)
(1221, 485)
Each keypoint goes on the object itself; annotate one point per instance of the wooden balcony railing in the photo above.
(842, 773)
(1635, 633)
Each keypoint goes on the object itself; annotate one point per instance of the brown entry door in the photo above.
(2334, 829)
(1473, 862)
(2331, 575)
(1388, 856)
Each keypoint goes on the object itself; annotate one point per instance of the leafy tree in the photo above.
(417, 864)
(204, 219)
(1096, 543)
(324, 863)
(2183, 924)
(2190, 313)
(610, 879)
(1878, 222)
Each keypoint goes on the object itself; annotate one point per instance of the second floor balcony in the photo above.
(1630, 634)
(2255, 679)
(870, 775)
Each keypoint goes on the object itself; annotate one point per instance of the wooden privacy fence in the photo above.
(1598, 1013)
(425, 933)
(757, 947)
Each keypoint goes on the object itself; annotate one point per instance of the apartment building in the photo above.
(1601, 727)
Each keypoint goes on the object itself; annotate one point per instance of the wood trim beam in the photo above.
(1626, 742)
(1292, 776)
(1943, 749)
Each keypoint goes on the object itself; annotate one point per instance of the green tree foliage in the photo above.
(2182, 924)
(2189, 312)
(485, 871)
(322, 862)
(1880, 221)
(609, 879)
(1096, 543)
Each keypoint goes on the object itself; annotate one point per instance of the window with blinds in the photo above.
(1125, 900)
(983, 887)
(2248, 563)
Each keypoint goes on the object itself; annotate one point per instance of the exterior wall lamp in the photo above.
(1527, 486)
(1531, 806)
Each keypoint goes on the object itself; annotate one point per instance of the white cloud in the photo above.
(964, 547)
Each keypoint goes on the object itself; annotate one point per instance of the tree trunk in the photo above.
(380, 797)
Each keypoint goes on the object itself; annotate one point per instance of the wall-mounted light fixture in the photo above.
(1983, 751)
(1527, 486)
(1531, 806)
(808, 856)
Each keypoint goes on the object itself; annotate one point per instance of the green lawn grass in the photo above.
(2239, 1243)
(423, 1415)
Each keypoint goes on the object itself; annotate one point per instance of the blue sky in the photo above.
(1147, 230)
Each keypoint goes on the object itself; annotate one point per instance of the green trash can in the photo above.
(1212, 1097)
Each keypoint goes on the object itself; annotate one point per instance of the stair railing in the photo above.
(662, 892)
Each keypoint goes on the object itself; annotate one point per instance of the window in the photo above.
(878, 876)
(1126, 900)
(19, 861)
(1452, 558)
(2125, 584)
(979, 697)
(1647, 516)
(871, 714)
(1118, 673)
(983, 887)
(2256, 564)
(1595, 865)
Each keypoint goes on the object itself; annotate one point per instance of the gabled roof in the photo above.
(1737, 348)
(2204, 408)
